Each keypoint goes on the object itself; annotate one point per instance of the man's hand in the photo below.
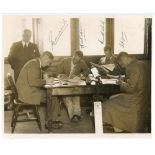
(120, 81)
(63, 77)
(49, 80)
(75, 79)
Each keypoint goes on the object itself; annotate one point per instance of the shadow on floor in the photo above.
(84, 126)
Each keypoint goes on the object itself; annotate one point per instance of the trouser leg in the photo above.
(53, 109)
(76, 105)
(43, 96)
(73, 106)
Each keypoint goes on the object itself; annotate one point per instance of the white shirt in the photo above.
(72, 65)
(40, 63)
(23, 43)
(72, 69)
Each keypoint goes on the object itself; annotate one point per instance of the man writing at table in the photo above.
(30, 83)
(127, 111)
(73, 67)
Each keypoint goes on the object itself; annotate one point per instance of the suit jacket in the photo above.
(127, 111)
(18, 56)
(79, 68)
(29, 82)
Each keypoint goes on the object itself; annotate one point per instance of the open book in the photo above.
(106, 68)
(110, 67)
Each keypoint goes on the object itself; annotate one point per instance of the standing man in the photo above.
(21, 52)
(127, 111)
(74, 67)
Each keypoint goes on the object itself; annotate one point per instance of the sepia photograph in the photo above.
(77, 74)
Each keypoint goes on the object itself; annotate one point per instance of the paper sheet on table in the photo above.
(80, 83)
(109, 81)
(71, 82)
(94, 72)
(109, 66)
(76, 81)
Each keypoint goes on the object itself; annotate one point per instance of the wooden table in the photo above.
(82, 90)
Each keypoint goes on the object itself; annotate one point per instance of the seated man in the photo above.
(109, 58)
(73, 67)
(30, 83)
(126, 111)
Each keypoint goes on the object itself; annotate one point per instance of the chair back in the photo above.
(12, 85)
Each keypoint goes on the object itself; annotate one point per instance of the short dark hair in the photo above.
(107, 48)
(49, 54)
(79, 53)
(122, 55)
(27, 30)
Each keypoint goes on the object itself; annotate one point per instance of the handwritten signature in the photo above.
(102, 31)
(54, 40)
(82, 38)
(123, 39)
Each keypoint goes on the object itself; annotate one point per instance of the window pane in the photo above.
(56, 35)
(129, 35)
(13, 27)
(92, 35)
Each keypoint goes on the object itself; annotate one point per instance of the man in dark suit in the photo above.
(21, 52)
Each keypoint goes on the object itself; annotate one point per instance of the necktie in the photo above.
(25, 46)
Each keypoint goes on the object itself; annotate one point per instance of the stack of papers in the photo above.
(109, 81)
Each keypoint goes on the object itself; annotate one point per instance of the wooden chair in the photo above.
(8, 99)
(19, 107)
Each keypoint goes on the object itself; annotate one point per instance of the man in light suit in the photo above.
(21, 52)
(74, 67)
(30, 79)
(30, 83)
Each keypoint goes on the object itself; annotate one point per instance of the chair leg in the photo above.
(12, 119)
(15, 117)
(36, 112)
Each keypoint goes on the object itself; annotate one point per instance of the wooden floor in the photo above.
(84, 126)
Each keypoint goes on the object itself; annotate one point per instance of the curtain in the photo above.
(148, 38)
(37, 33)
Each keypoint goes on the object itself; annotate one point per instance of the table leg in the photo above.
(49, 100)
(98, 117)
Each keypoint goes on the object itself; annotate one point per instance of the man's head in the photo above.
(26, 35)
(46, 59)
(78, 55)
(123, 59)
(107, 51)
